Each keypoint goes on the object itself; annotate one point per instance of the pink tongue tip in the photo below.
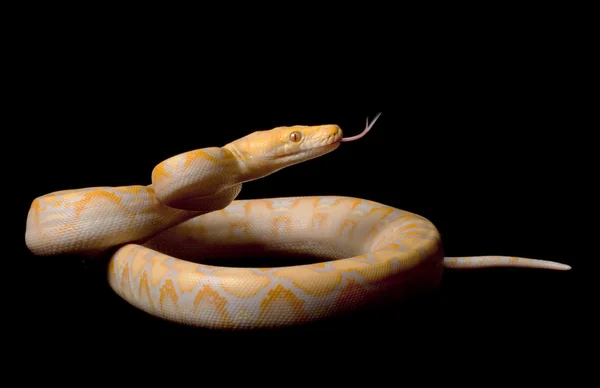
(367, 129)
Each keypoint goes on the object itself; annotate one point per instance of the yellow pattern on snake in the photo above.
(156, 234)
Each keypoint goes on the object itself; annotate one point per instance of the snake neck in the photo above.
(209, 177)
(249, 165)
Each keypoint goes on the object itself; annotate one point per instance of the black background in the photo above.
(481, 133)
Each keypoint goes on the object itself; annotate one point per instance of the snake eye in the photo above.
(295, 136)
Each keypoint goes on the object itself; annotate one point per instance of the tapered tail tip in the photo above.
(502, 262)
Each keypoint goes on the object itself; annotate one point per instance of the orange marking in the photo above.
(351, 223)
(125, 282)
(237, 225)
(168, 291)
(130, 189)
(94, 196)
(211, 303)
(339, 201)
(386, 211)
(144, 288)
(296, 203)
(187, 280)
(186, 266)
(65, 228)
(35, 208)
(241, 282)
(192, 156)
(112, 267)
(370, 272)
(281, 222)
(347, 264)
(160, 171)
(319, 219)
(405, 227)
(246, 207)
(412, 242)
(310, 281)
(138, 263)
(158, 269)
(355, 204)
(407, 259)
(257, 203)
(282, 302)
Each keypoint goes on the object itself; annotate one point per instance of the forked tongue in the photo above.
(367, 129)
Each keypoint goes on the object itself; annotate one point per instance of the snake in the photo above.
(159, 236)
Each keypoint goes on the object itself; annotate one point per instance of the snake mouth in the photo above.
(331, 138)
(320, 150)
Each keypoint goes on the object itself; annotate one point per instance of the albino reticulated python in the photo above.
(153, 233)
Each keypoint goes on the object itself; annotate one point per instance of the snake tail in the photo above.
(476, 262)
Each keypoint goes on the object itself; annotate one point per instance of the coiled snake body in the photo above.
(157, 232)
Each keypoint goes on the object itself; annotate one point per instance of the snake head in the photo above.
(263, 152)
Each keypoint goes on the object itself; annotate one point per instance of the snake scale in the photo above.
(155, 236)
